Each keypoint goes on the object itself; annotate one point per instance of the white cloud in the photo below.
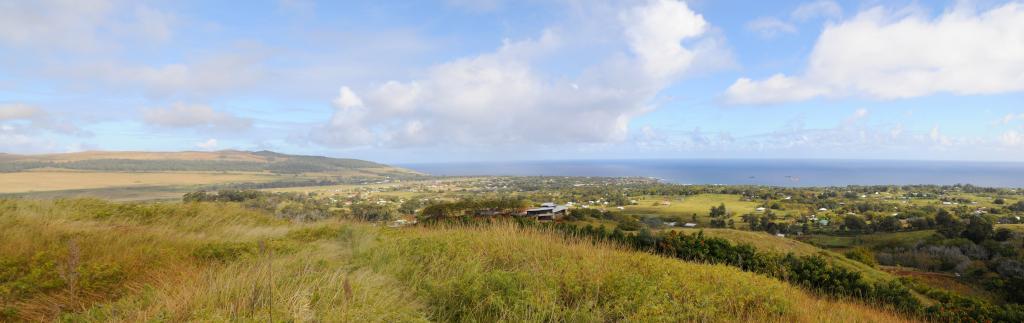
(182, 115)
(35, 118)
(1012, 138)
(885, 55)
(18, 111)
(80, 25)
(347, 99)
(209, 144)
(769, 27)
(655, 33)
(776, 89)
(502, 98)
(821, 8)
(208, 75)
(1010, 117)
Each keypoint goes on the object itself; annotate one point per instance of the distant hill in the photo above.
(225, 160)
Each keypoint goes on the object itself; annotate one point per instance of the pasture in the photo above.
(58, 180)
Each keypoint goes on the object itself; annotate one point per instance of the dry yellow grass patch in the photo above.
(56, 180)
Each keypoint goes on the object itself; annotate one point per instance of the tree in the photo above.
(947, 224)
(410, 206)
(979, 229)
(889, 224)
(718, 211)
(999, 201)
(1003, 234)
(855, 223)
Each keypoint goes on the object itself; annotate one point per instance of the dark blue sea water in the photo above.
(757, 172)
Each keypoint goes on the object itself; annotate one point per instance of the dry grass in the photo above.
(220, 263)
(145, 155)
(55, 180)
(505, 273)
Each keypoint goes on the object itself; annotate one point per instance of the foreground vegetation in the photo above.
(90, 260)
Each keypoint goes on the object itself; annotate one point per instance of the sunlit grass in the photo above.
(220, 262)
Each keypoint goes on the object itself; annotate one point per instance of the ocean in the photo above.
(774, 172)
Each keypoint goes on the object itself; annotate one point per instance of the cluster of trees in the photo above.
(501, 206)
(768, 223)
(971, 247)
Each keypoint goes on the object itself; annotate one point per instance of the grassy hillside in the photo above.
(89, 260)
(228, 160)
(160, 175)
(768, 242)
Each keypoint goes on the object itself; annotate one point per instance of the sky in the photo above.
(485, 80)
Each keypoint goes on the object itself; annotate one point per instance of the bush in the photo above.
(862, 255)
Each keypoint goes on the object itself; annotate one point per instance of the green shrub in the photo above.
(863, 255)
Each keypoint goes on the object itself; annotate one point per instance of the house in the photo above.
(547, 211)
(780, 235)
(671, 224)
(690, 225)
(823, 209)
(823, 222)
(760, 209)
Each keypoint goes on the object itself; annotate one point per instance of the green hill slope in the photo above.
(95, 261)
(768, 242)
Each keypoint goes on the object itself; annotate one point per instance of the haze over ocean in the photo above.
(775, 172)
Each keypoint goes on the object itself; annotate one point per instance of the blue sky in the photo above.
(463, 80)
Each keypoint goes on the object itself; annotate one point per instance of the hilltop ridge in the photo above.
(224, 160)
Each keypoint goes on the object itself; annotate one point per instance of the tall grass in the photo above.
(95, 261)
(508, 273)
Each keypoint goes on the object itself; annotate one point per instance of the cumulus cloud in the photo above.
(209, 144)
(891, 55)
(503, 98)
(822, 8)
(769, 27)
(182, 115)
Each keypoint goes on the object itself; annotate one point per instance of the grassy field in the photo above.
(57, 180)
(868, 240)
(686, 207)
(94, 261)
